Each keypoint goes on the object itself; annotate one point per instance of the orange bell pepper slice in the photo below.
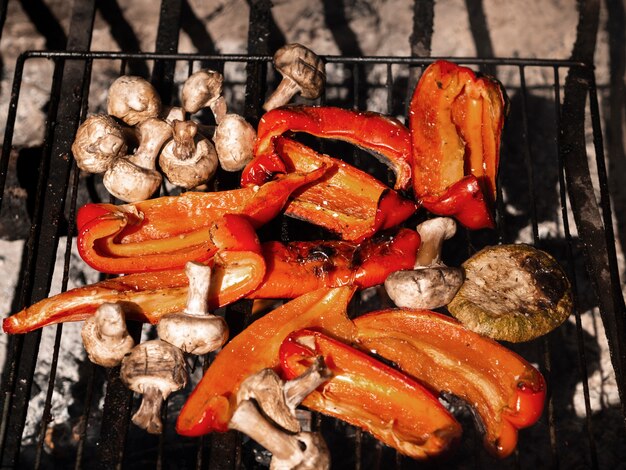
(211, 404)
(166, 232)
(456, 121)
(383, 136)
(366, 393)
(346, 201)
(505, 391)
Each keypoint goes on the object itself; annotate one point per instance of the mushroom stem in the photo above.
(430, 284)
(296, 390)
(154, 133)
(248, 419)
(195, 330)
(283, 93)
(148, 416)
(199, 276)
(433, 233)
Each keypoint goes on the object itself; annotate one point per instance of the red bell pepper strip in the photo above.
(505, 391)
(211, 404)
(270, 271)
(296, 268)
(237, 269)
(366, 393)
(456, 120)
(387, 138)
(346, 200)
(167, 232)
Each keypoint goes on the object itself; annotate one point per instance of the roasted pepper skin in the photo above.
(456, 121)
(387, 138)
(346, 201)
(211, 404)
(166, 232)
(271, 270)
(505, 390)
(366, 393)
(237, 269)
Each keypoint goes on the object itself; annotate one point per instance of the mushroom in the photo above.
(264, 396)
(195, 330)
(99, 140)
(204, 89)
(133, 100)
(105, 336)
(431, 284)
(134, 177)
(154, 369)
(187, 160)
(234, 142)
(303, 71)
(512, 293)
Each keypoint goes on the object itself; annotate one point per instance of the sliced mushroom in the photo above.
(203, 89)
(262, 398)
(134, 177)
(512, 293)
(133, 100)
(431, 284)
(99, 140)
(195, 330)
(303, 72)
(234, 142)
(188, 160)
(105, 336)
(154, 369)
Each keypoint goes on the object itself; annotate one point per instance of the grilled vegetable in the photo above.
(383, 136)
(366, 393)
(279, 271)
(167, 232)
(195, 330)
(347, 201)
(105, 336)
(303, 72)
(430, 284)
(212, 403)
(99, 140)
(504, 390)
(133, 100)
(154, 369)
(512, 293)
(456, 120)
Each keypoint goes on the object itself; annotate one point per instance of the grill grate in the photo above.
(534, 206)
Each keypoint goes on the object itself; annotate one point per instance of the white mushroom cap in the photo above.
(431, 284)
(105, 336)
(204, 89)
(195, 331)
(303, 72)
(133, 100)
(188, 161)
(234, 142)
(154, 369)
(135, 177)
(99, 140)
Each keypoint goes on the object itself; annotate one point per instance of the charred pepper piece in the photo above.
(504, 390)
(334, 263)
(363, 391)
(213, 401)
(456, 120)
(236, 272)
(167, 232)
(347, 201)
(512, 293)
(383, 136)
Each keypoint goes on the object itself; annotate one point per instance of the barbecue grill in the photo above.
(553, 194)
